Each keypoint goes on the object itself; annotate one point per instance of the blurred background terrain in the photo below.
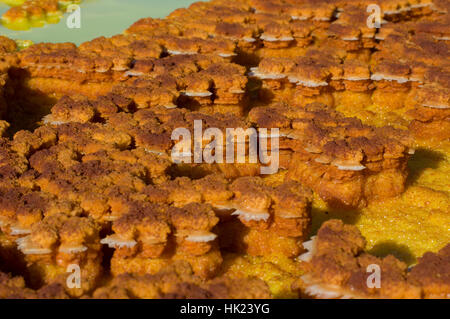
(98, 17)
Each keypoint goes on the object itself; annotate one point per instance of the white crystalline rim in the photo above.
(171, 106)
(287, 215)
(267, 76)
(302, 18)
(421, 5)
(350, 39)
(249, 40)
(48, 119)
(314, 287)
(24, 245)
(310, 247)
(254, 69)
(227, 55)
(133, 73)
(310, 244)
(72, 250)
(254, 72)
(321, 161)
(20, 241)
(36, 251)
(350, 167)
(19, 231)
(288, 135)
(291, 136)
(411, 151)
(377, 37)
(249, 216)
(111, 218)
(269, 38)
(154, 151)
(305, 82)
(197, 94)
(201, 238)
(120, 68)
(441, 38)
(356, 78)
(435, 106)
(321, 18)
(175, 52)
(379, 77)
(101, 70)
(116, 242)
(323, 291)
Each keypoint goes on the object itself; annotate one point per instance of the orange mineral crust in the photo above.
(178, 282)
(193, 219)
(15, 288)
(150, 129)
(59, 241)
(346, 162)
(336, 267)
(132, 71)
(100, 144)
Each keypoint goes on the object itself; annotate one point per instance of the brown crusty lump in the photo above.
(346, 162)
(336, 266)
(178, 282)
(192, 219)
(59, 241)
(97, 170)
(432, 273)
(15, 288)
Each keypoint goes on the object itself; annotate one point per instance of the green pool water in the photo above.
(98, 17)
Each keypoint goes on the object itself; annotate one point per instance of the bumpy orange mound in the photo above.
(87, 177)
